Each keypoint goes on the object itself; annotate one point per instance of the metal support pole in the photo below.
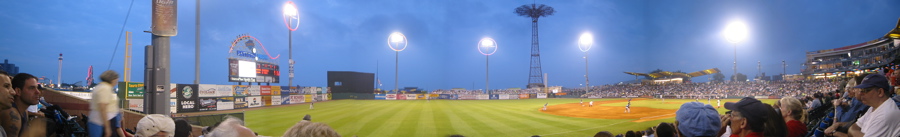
(586, 80)
(157, 102)
(396, 70)
(487, 83)
(290, 57)
(735, 63)
(197, 44)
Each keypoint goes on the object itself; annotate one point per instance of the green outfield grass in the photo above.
(476, 118)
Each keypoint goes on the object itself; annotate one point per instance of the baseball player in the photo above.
(591, 104)
(545, 106)
(581, 102)
(718, 102)
(628, 107)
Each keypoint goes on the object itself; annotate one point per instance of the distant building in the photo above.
(858, 58)
(12, 69)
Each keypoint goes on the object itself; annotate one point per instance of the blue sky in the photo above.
(350, 35)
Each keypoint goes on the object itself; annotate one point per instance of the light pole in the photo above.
(487, 46)
(397, 42)
(584, 44)
(291, 21)
(735, 32)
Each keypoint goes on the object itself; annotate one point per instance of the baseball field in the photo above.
(475, 118)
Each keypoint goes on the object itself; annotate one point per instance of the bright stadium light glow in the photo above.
(289, 9)
(487, 46)
(585, 41)
(736, 32)
(397, 41)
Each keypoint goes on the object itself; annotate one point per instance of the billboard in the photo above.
(379, 96)
(134, 89)
(187, 98)
(255, 101)
(401, 96)
(495, 96)
(265, 90)
(504, 96)
(224, 91)
(411, 96)
(241, 90)
(276, 90)
(296, 99)
(276, 100)
(136, 104)
(267, 100)
(225, 103)
(254, 90)
(240, 102)
(482, 96)
(208, 104)
(207, 90)
(541, 95)
(285, 99)
(390, 96)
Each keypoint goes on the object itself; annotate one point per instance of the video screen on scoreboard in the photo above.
(250, 71)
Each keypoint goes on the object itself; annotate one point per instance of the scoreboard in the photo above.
(252, 71)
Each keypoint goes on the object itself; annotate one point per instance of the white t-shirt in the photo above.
(881, 122)
(103, 93)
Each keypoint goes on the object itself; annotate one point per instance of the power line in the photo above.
(113, 56)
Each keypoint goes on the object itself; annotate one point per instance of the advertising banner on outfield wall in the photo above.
(206, 90)
(411, 96)
(187, 98)
(276, 100)
(443, 96)
(265, 90)
(173, 105)
(276, 90)
(523, 96)
(285, 99)
(482, 96)
(267, 100)
(307, 98)
(296, 99)
(390, 96)
(541, 95)
(495, 96)
(225, 103)
(224, 91)
(209, 104)
(285, 90)
(254, 90)
(401, 97)
(255, 101)
(136, 104)
(135, 89)
(240, 102)
(421, 96)
(172, 89)
(513, 96)
(241, 90)
(379, 96)
(503, 96)
(466, 97)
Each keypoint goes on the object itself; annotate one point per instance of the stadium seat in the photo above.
(823, 125)
(819, 133)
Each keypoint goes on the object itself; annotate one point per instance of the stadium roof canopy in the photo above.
(895, 33)
(677, 74)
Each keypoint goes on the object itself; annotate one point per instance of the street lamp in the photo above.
(735, 32)
(487, 46)
(291, 20)
(397, 42)
(584, 44)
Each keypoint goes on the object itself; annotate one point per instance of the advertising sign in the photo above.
(296, 99)
(390, 97)
(495, 96)
(241, 90)
(379, 96)
(276, 100)
(136, 104)
(421, 96)
(254, 90)
(466, 97)
(134, 89)
(172, 91)
(276, 90)
(523, 96)
(209, 104)
(225, 103)
(411, 96)
(308, 98)
(285, 99)
(255, 101)
(267, 100)
(401, 96)
(173, 105)
(207, 90)
(541, 95)
(504, 96)
(514, 96)
(265, 90)
(187, 98)
(240, 102)
(482, 96)
(224, 91)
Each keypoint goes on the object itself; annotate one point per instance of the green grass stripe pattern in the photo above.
(436, 118)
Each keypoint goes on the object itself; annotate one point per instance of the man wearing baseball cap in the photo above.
(881, 119)
(747, 118)
(695, 119)
(155, 125)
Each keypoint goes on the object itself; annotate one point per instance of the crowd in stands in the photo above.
(862, 106)
(498, 91)
(771, 88)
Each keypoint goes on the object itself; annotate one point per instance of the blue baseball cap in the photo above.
(697, 119)
(875, 80)
(751, 109)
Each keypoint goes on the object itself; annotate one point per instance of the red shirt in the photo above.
(796, 128)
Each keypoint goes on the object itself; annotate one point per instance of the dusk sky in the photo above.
(351, 35)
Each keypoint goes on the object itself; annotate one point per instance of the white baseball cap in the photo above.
(155, 123)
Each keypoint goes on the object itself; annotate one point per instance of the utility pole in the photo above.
(157, 56)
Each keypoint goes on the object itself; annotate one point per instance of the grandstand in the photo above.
(854, 59)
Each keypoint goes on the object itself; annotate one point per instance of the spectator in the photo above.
(603, 134)
(6, 97)
(155, 125)
(231, 127)
(25, 94)
(748, 117)
(881, 119)
(630, 134)
(664, 130)
(183, 128)
(105, 117)
(816, 102)
(697, 119)
(793, 114)
(847, 109)
(306, 128)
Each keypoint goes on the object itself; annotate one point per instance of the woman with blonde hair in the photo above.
(794, 116)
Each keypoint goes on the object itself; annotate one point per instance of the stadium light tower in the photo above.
(397, 42)
(735, 33)
(487, 46)
(292, 21)
(584, 44)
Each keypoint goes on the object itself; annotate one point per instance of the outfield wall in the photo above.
(185, 98)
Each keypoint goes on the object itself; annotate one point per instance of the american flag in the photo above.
(90, 77)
